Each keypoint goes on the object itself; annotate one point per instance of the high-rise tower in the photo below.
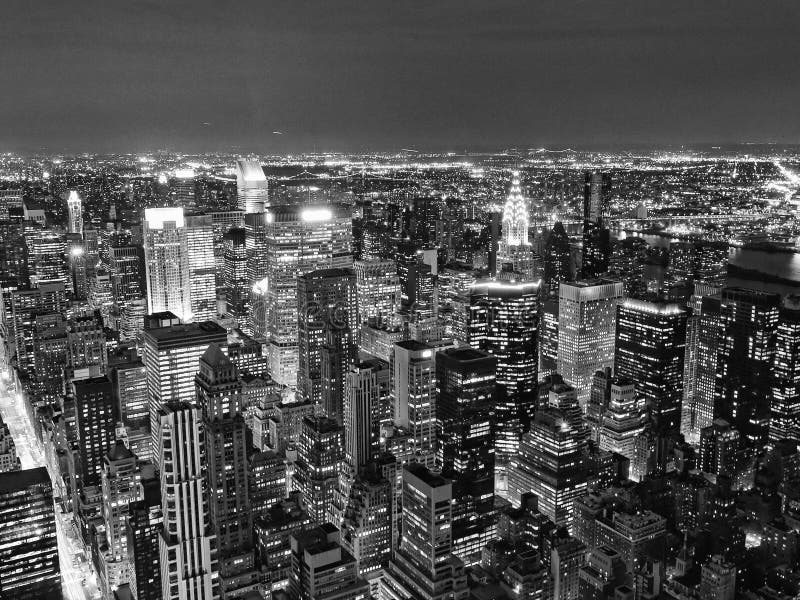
(75, 213)
(167, 262)
(252, 188)
(596, 238)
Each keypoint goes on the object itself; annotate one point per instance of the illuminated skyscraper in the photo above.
(96, 419)
(365, 396)
(29, 561)
(378, 289)
(129, 380)
(515, 215)
(549, 465)
(465, 390)
(202, 268)
(587, 317)
(171, 356)
(415, 397)
(514, 247)
(596, 239)
(219, 397)
(423, 566)
(557, 260)
(624, 419)
(235, 280)
(182, 189)
(252, 188)
(326, 304)
(75, 213)
(126, 268)
(703, 333)
(296, 240)
(785, 410)
(650, 348)
(749, 321)
(504, 321)
(320, 458)
(416, 279)
(187, 547)
(167, 262)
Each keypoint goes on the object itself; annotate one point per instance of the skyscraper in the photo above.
(182, 189)
(252, 188)
(187, 547)
(650, 349)
(557, 260)
(167, 262)
(785, 409)
(423, 566)
(549, 464)
(504, 321)
(366, 384)
(415, 397)
(143, 529)
(96, 419)
(235, 279)
(75, 213)
(326, 300)
(319, 459)
(416, 278)
(596, 239)
(465, 389)
(514, 247)
(171, 356)
(29, 561)
(623, 420)
(219, 397)
(296, 240)
(690, 427)
(378, 290)
(202, 268)
(749, 321)
(587, 316)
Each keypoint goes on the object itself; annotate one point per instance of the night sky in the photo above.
(113, 75)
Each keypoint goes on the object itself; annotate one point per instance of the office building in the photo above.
(596, 238)
(415, 397)
(121, 485)
(219, 397)
(650, 349)
(366, 404)
(514, 248)
(252, 188)
(638, 536)
(749, 322)
(322, 569)
(129, 380)
(465, 389)
(126, 269)
(602, 575)
(9, 461)
(417, 278)
(326, 305)
(143, 529)
(367, 524)
(201, 265)
(587, 316)
(718, 579)
(504, 321)
(187, 546)
(235, 281)
(167, 262)
(29, 559)
(182, 189)
(785, 409)
(423, 566)
(624, 420)
(74, 213)
(550, 465)
(320, 457)
(171, 356)
(293, 240)
(693, 414)
(557, 260)
(378, 290)
(96, 419)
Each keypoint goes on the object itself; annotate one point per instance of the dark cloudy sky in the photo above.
(80, 75)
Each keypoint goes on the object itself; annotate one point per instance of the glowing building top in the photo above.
(515, 215)
(75, 211)
(252, 188)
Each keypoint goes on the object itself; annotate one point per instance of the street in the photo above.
(74, 569)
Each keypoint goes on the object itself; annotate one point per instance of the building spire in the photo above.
(515, 215)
